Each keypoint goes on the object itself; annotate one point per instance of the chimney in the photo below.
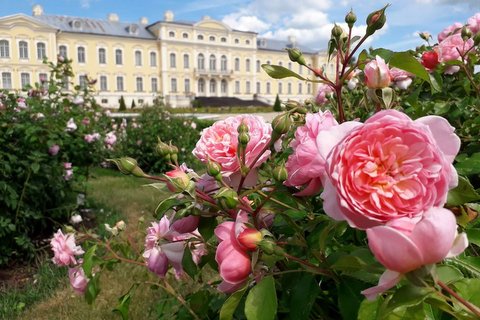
(113, 17)
(143, 21)
(168, 16)
(37, 10)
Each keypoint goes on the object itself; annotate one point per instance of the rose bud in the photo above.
(376, 20)
(281, 124)
(178, 179)
(430, 60)
(295, 55)
(249, 238)
(377, 74)
(350, 19)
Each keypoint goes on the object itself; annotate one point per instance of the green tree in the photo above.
(277, 106)
(123, 106)
(133, 104)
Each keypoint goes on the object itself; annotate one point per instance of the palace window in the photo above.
(81, 54)
(62, 51)
(4, 49)
(186, 61)
(138, 58)
(187, 85)
(24, 79)
(173, 85)
(103, 83)
(102, 56)
(223, 63)
(237, 64)
(23, 49)
(173, 60)
(201, 62)
(213, 62)
(153, 59)
(154, 83)
(139, 84)
(6, 80)
(41, 51)
(119, 58)
(120, 84)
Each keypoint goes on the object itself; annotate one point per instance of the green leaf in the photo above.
(406, 61)
(188, 265)
(369, 309)
(167, 204)
(469, 289)
(468, 165)
(387, 96)
(88, 261)
(385, 54)
(349, 297)
(124, 303)
(468, 265)
(279, 72)
(92, 290)
(463, 193)
(261, 303)
(448, 274)
(231, 304)
(473, 236)
(301, 291)
(35, 167)
(206, 227)
(407, 296)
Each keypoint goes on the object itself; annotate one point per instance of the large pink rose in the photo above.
(390, 167)
(377, 74)
(448, 31)
(219, 143)
(451, 48)
(474, 23)
(306, 165)
(404, 245)
(65, 249)
(232, 258)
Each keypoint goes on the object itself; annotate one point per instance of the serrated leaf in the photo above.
(261, 303)
(279, 72)
(463, 193)
(231, 304)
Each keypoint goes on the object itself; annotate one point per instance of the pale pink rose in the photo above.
(474, 23)
(452, 47)
(64, 249)
(233, 261)
(78, 280)
(401, 78)
(377, 74)
(21, 103)
(110, 139)
(390, 167)
(219, 143)
(71, 126)
(306, 165)
(86, 121)
(54, 149)
(67, 165)
(324, 91)
(405, 245)
(448, 31)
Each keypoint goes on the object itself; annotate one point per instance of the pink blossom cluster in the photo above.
(68, 174)
(65, 251)
(389, 176)
(379, 75)
(92, 137)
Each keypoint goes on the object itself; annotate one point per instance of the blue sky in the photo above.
(309, 20)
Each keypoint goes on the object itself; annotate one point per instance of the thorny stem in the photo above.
(275, 200)
(310, 265)
(467, 304)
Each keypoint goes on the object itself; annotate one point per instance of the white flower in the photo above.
(71, 126)
(76, 218)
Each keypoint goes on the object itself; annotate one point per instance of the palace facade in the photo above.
(141, 61)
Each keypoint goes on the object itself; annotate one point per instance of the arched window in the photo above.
(138, 58)
(200, 37)
(223, 63)
(213, 62)
(289, 88)
(300, 88)
(224, 87)
(171, 34)
(4, 49)
(258, 88)
(62, 51)
(23, 49)
(41, 51)
(201, 85)
(102, 56)
(211, 38)
(280, 88)
(247, 65)
(201, 62)
(237, 64)
(173, 60)
(153, 59)
(186, 61)
(185, 35)
(247, 87)
(268, 88)
(118, 57)
(258, 65)
(81, 54)
(213, 86)
(139, 84)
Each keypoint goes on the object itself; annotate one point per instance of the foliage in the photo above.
(133, 104)
(277, 106)
(122, 104)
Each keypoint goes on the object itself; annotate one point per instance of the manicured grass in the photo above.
(115, 197)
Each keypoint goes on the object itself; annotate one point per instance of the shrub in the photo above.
(277, 106)
(122, 106)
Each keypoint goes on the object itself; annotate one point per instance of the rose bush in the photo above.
(387, 238)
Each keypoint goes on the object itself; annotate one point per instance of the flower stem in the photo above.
(471, 307)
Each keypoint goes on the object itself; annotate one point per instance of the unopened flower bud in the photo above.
(178, 180)
(162, 148)
(337, 31)
(292, 104)
(425, 36)
(466, 33)
(350, 19)
(249, 238)
(213, 168)
(128, 165)
(227, 198)
(121, 225)
(243, 138)
(280, 173)
(281, 124)
(376, 20)
(296, 55)
(242, 128)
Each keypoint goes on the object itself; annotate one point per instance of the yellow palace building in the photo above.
(174, 60)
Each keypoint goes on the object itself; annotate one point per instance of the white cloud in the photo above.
(246, 22)
(85, 4)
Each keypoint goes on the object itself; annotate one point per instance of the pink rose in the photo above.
(403, 245)
(71, 126)
(78, 280)
(448, 31)
(377, 74)
(233, 262)
(110, 139)
(64, 249)
(53, 150)
(452, 47)
(474, 23)
(178, 179)
(306, 165)
(323, 93)
(401, 78)
(219, 143)
(390, 167)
